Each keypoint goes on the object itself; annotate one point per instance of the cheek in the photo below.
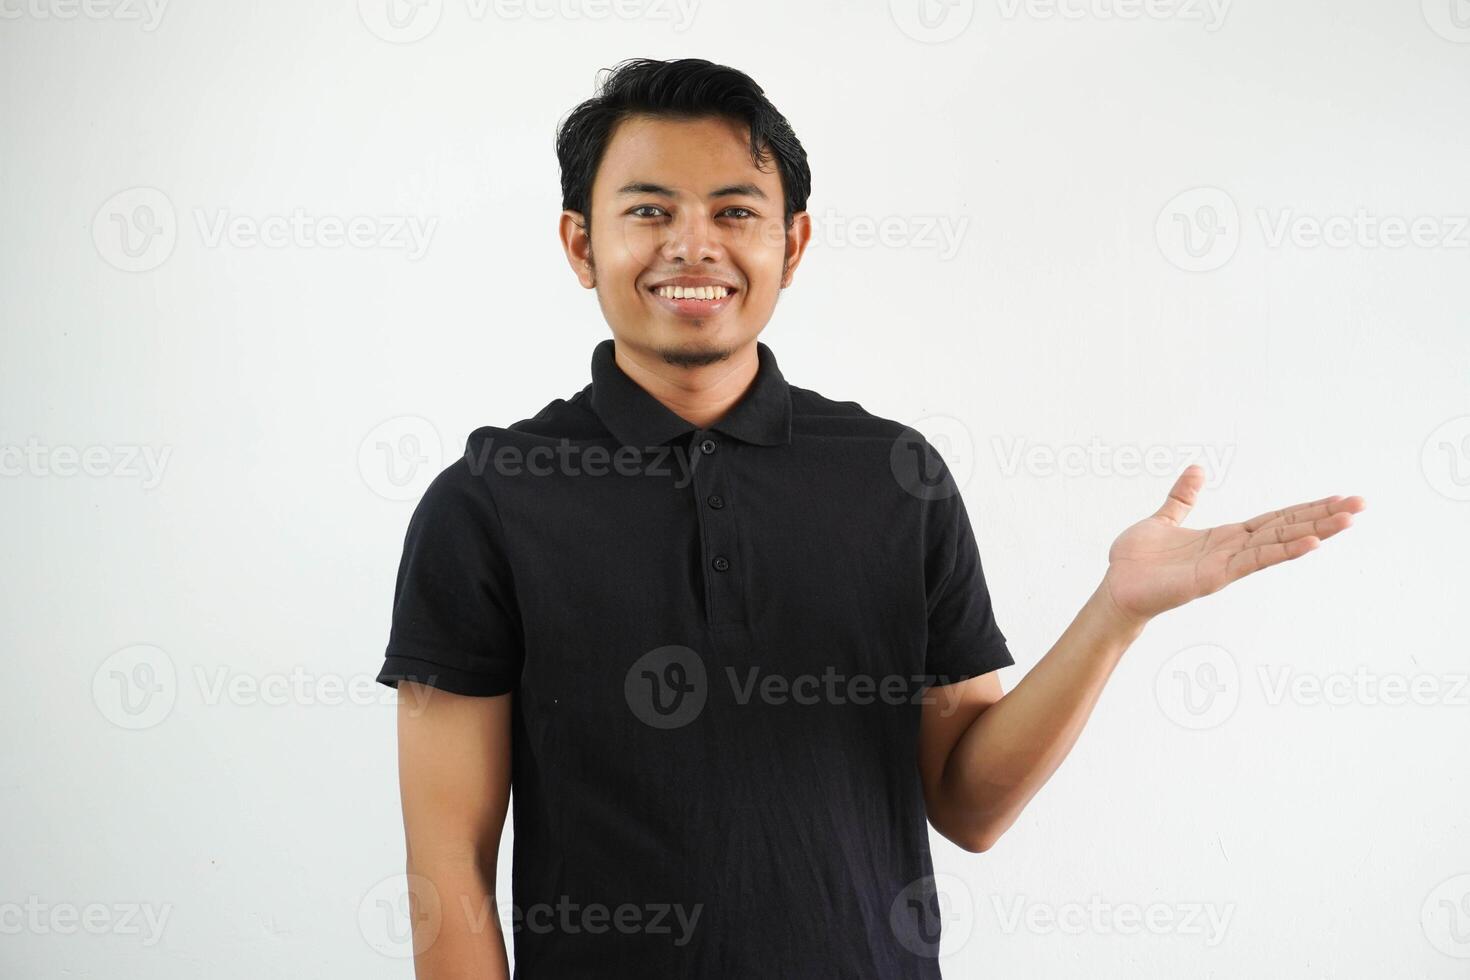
(618, 271)
(762, 256)
(623, 248)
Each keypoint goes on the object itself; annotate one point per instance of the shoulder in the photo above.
(560, 419)
(814, 413)
(469, 480)
(914, 469)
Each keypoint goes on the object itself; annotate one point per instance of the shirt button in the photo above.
(721, 563)
(716, 501)
(707, 447)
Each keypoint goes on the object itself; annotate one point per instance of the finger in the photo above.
(1322, 527)
(1177, 505)
(1264, 520)
(1308, 511)
(1251, 560)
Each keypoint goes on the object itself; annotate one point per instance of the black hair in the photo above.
(684, 88)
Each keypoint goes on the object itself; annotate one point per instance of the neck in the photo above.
(700, 394)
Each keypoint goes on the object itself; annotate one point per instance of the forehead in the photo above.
(687, 155)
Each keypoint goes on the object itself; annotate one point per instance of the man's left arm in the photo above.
(983, 754)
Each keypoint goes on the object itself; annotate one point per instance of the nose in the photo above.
(692, 238)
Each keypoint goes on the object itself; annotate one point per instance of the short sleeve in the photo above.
(964, 639)
(456, 623)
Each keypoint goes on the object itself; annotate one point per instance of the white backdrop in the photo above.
(266, 265)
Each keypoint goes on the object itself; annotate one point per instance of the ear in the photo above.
(798, 237)
(578, 247)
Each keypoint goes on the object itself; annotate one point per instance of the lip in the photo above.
(693, 308)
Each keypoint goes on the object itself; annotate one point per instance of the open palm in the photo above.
(1156, 565)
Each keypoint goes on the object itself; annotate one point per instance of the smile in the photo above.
(693, 292)
(693, 301)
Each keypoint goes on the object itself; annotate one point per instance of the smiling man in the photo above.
(727, 642)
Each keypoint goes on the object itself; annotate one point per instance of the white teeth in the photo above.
(693, 292)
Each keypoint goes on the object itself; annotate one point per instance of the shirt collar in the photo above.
(762, 415)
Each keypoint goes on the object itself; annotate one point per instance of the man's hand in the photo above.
(1156, 565)
(982, 763)
(454, 764)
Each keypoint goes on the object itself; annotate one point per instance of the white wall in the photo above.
(1059, 153)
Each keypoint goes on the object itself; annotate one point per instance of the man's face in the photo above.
(681, 202)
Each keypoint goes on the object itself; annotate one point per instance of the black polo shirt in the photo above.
(718, 641)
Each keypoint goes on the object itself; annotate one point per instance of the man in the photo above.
(729, 640)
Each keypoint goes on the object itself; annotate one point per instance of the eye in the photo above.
(645, 207)
(747, 213)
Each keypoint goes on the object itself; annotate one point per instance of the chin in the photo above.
(692, 351)
(695, 354)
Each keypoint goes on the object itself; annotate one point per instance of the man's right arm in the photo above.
(454, 779)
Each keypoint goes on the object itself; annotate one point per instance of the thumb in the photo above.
(1177, 505)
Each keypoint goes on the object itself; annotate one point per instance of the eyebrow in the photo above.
(733, 190)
